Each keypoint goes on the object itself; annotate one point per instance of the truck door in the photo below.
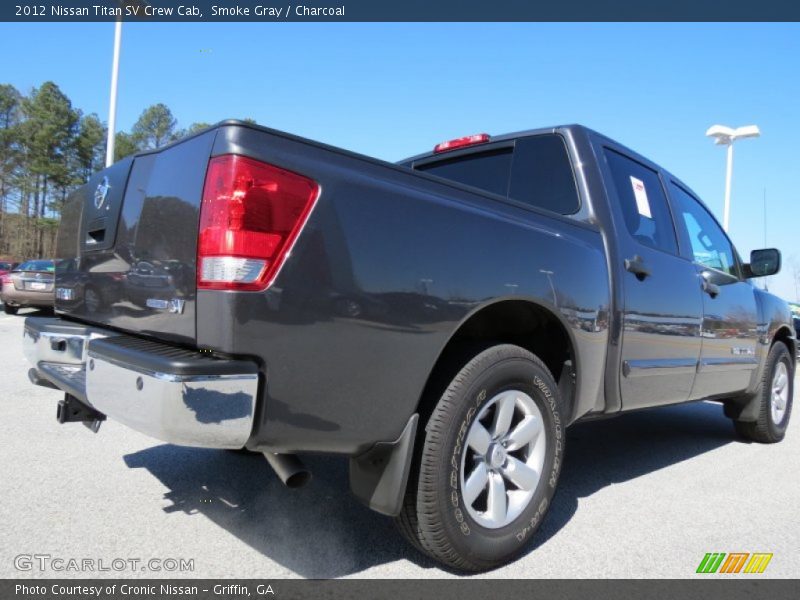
(730, 314)
(662, 299)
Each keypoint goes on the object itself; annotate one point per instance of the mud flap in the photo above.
(378, 477)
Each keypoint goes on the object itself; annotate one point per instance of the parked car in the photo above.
(438, 321)
(147, 281)
(28, 285)
(91, 291)
(7, 266)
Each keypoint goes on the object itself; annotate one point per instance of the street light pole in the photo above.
(766, 289)
(725, 136)
(726, 214)
(112, 105)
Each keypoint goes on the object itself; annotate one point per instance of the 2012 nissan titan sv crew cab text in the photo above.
(438, 321)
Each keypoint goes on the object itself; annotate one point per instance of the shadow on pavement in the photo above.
(615, 450)
(321, 531)
(318, 531)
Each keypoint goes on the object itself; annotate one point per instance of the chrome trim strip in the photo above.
(727, 364)
(658, 366)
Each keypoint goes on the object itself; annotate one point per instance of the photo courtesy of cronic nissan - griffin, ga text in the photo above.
(440, 321)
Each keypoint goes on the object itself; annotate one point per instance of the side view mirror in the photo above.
(764, 262)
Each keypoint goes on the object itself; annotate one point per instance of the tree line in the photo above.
(47, 149)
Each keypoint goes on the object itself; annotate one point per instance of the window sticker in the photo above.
(640, 193)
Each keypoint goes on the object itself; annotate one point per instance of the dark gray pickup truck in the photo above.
(438, 321)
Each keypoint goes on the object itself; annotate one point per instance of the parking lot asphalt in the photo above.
(643, 495)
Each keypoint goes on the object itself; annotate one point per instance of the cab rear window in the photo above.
(488, 171)
(535, 171)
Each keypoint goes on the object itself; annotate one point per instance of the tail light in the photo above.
(250, 216)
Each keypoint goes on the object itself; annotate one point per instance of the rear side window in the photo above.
(536, 172)
(489, 171)
(643, 203)
(542, 174)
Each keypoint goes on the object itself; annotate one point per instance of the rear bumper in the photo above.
(16, 297)
(175, 395)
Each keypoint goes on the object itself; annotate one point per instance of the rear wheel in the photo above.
(10, 310)
(775, 398)
(487, 467)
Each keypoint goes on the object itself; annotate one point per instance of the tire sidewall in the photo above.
(778, 354)
(482, 545)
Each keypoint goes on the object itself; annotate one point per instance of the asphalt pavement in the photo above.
(643, 495)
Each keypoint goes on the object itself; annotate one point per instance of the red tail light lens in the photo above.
(250, 216)
(470, 140)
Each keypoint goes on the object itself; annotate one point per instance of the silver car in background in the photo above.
(29, 285)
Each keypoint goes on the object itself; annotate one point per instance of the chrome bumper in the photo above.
(198, 409)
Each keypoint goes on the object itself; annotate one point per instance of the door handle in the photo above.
(637, 266)
(95, 236)
(712, 289)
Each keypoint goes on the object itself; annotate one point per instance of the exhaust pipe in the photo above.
(291, 471)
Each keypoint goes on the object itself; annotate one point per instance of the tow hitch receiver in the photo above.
(72, 410)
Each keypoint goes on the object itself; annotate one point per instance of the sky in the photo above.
(395, 90)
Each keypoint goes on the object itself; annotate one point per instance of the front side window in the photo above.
(643, 203)
(709, 245)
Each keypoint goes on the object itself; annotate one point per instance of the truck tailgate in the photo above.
(128, 240)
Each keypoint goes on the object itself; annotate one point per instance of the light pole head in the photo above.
(724, 136)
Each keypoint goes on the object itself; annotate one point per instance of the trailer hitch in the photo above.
(72, 410)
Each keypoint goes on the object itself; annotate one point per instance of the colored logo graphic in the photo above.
(736, 562)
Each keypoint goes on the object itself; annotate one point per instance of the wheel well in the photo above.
(518, 322)
(784, 335)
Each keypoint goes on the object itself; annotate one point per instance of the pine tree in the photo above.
(10, 116)
(155, 127)
(89, 146)
(123, 145)
(48, 132)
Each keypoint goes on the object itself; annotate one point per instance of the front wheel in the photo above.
(10, 310)
(775, 399)
(487, 468)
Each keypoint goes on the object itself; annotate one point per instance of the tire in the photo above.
(10, 310)
(775, 391)
(457, 507)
